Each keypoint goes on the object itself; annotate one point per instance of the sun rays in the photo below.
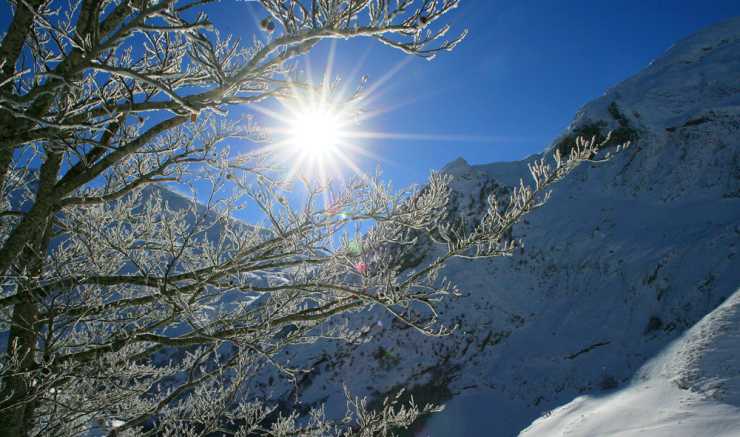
(311, 136)
(321, 130)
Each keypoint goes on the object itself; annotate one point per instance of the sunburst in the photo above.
(314, 135)
(319, 133)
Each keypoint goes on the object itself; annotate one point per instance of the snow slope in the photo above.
(692, 389)
(626, 257)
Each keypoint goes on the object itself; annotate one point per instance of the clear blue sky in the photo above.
(511, 87)
(516, 81)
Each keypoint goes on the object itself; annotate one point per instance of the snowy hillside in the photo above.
(692, 389)
(626, 257)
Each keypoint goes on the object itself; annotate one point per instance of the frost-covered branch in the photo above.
(131, 309)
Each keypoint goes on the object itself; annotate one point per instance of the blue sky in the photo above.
(510, 88)
(513, 85)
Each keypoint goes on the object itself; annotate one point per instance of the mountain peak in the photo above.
(695, 75)
(458, 167)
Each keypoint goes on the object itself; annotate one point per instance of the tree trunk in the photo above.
(16, 412)
(17, 419)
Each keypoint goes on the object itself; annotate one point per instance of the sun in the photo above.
(316, 137)
(319, 130)
(316, 131)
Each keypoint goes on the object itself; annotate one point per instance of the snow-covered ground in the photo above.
(626, 258)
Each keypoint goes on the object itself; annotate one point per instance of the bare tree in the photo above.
(133, 311)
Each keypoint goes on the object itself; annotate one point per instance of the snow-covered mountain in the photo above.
(626, 258)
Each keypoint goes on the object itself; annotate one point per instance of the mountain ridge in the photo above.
(627, 256)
